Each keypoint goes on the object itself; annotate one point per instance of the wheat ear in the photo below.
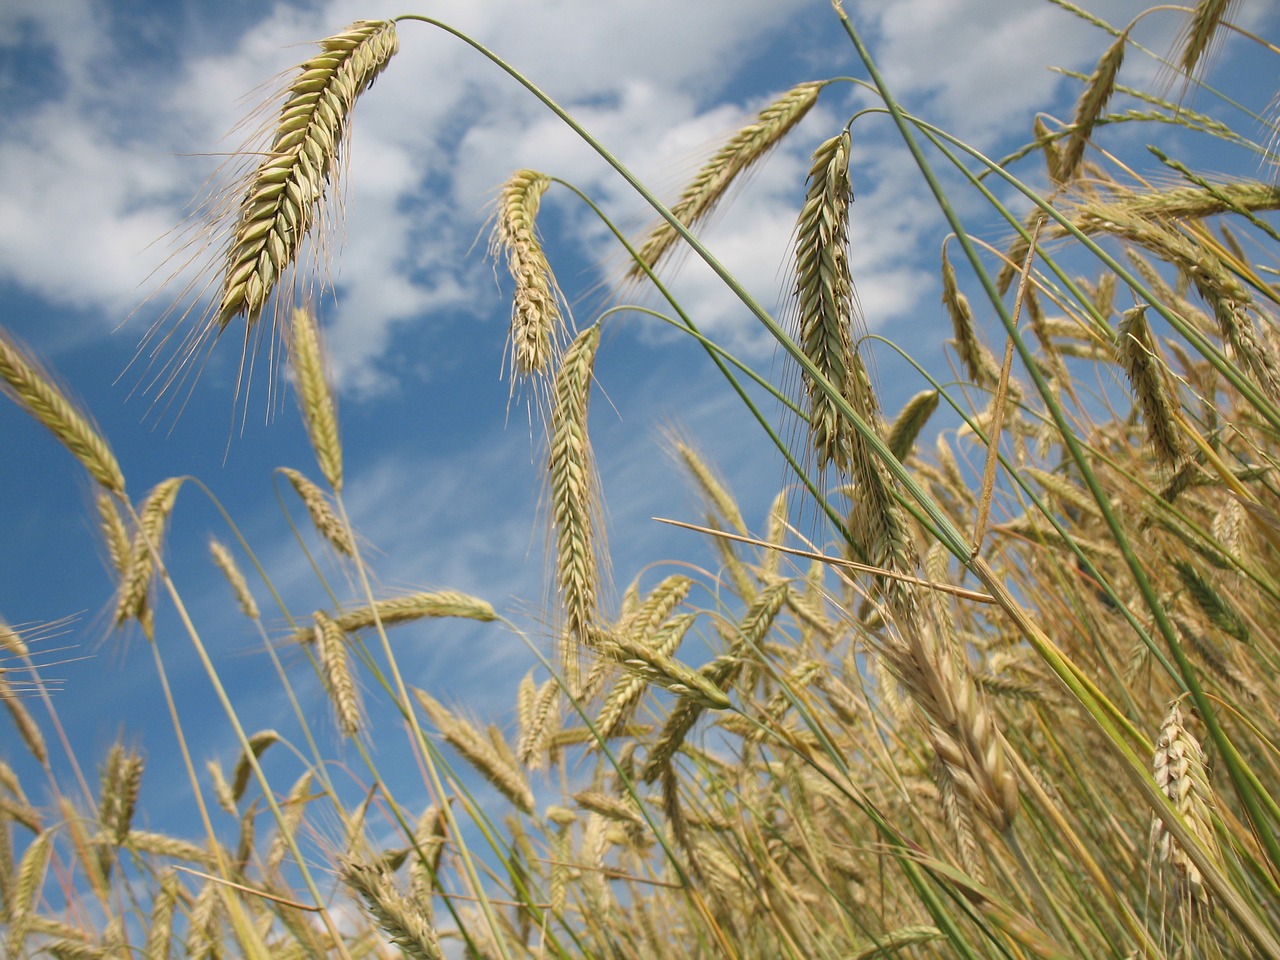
(824, 297)
(136, 579)
(399, 918)
(574, 503)
(331, 642)
(226, 562)
(1090, 106)
(497, 765)
(536, 320)
(29, 386)
(1197, 35)
(743, 150)
(406, 609)
(315, 397)
(1180, 773)
(322, 514)
(285, 192)
(1137, 353)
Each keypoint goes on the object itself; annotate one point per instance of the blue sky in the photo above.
(114, 114)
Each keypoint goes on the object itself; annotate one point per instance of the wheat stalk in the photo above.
(748, 146)
(32, 388)
(315, 397)
(286, 191)
(536, 320)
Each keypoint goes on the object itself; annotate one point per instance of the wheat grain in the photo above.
(225, 562)
(323, 517)
(286, 191)
(331, 642)
(747, 147)
(315, 396)
(574, 503)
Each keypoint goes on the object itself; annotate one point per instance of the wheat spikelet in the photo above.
(536, 320)
(574, 504)
(479, 751)
(323, 517)
(33, 389)
(1137, 353)
(1090, 106)
(398, 917)
(708, 186)
(824, 298)
(226, 562)
(315, 397)
(331, 642)
(1180, 774)
(131, 602)
(286, 191)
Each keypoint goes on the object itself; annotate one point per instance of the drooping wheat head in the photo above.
(1090, 107)
(330, 640)
(1137, 353)
(226, 563)
(323, 516)
(32, 388)
(536, 319)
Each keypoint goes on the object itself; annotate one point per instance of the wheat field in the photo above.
(988, 679)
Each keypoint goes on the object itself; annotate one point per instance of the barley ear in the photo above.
(315, 397)
(536, 320)
(574, 501)
(285, 193)
(31, 388)
(743, 151)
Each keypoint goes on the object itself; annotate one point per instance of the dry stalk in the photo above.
(744, 150)
(314, 395)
